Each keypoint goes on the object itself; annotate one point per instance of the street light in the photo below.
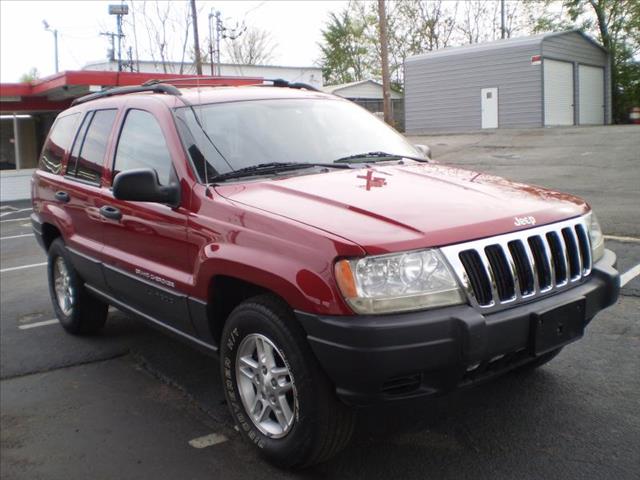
(48, 28)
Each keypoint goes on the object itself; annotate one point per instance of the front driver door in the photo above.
(145, 244)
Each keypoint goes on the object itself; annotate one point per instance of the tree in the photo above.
(253, 47)
(616, 25)
(30, 76)
(346, 51)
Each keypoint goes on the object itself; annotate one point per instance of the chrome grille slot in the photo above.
(585, 248)
(523, 267)
(478, 277)
(504, 270)
(558, 256)
(543, 265)
(573, 254)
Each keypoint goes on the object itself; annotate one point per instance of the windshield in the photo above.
(243, 134)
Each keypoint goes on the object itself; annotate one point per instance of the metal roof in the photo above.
(498, 44)
(335, 89)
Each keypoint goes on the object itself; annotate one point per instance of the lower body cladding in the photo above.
(381, 358)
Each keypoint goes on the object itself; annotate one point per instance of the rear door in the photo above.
(83, 192)
(558, 93)
(145, 244)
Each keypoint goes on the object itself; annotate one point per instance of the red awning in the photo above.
(56, 92)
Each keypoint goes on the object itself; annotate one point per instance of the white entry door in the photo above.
(591, 95)
(489, 106)
(558, 93)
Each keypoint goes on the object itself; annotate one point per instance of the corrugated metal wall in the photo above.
(443, 93)
(573, 47)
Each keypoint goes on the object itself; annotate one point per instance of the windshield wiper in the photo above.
(376, 156)
(268, 168)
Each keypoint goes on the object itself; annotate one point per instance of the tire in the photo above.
(321, 424)
(540, 361)
(84, 314)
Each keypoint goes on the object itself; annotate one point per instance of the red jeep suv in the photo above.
(325, 261)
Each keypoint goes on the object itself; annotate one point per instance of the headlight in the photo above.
(398, 282)
(596, 236)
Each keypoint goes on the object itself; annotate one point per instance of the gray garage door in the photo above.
(591, 95)
(558, 93)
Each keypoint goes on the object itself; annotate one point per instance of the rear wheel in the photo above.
(278, 395)
(79, 312)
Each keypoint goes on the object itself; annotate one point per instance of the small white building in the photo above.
(368, 93)
(309, 75)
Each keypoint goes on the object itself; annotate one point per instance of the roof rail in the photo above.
(276, 82)
(155, 81)
(280, 82)
(156, 88)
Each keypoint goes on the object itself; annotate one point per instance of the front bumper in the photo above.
(381, 358)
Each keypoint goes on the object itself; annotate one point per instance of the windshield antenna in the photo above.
(187, 103)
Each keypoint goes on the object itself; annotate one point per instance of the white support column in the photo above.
(16, 140)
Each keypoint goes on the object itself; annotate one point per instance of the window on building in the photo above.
(87, 155)
(58, 142)
(142, 145)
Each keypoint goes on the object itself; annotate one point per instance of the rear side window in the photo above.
(87, 155)
(142, 145)
(58, 142)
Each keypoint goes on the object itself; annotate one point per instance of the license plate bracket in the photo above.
(555, 328)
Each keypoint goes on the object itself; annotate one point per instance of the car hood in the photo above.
(386, 208)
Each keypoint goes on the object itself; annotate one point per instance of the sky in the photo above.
(295, 27)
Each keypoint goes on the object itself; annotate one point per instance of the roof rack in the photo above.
(156, 88)
(277, 82)
(280, 82)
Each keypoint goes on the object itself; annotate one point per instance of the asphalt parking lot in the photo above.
(132, 403)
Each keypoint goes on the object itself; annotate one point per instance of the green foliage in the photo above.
(30, 76)
(345, 49)
(350, 46)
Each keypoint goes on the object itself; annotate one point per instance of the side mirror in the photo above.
(142, 185)
(424, 150)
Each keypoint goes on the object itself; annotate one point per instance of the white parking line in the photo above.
(15, 211)
(208, 440)
(17, 236)
(629, 275)
(622, 239)
(21, 267)
(27, 326)
(23, 219)
(8, 207)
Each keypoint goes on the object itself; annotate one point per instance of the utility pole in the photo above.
(222, 32)
(119, 11)
(384, 48)
(196, 41)
(112, 39)
(502, 30)
(55, 42)
(210, 41)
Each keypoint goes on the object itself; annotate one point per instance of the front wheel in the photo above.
(78, 312)
(279, 397)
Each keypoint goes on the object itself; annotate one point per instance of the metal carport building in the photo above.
(550, 79)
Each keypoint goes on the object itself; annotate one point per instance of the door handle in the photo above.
(110, 212)
(62, 196)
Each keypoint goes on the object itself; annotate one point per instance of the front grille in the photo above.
(507, 269)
